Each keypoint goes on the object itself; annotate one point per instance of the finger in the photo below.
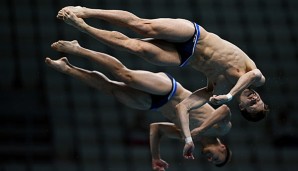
(165, 164)
(216, 100)
(160, 168)
(212, 101)
(156, 167)
(192, 157)
(186, 156)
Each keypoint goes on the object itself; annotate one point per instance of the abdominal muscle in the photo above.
(215, 52)
(220, 61)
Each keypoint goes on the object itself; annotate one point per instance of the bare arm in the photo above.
(157, 131)
(253, 77)
(219, 116)
(195, 100)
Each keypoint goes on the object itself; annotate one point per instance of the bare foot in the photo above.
(70, 18)
(77, 10)
(61, 65)
(66, 46)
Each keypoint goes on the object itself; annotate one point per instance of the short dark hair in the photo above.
(228, 158)
(255, 117)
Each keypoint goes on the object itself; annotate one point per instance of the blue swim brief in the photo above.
(160, 100)
(187, 49)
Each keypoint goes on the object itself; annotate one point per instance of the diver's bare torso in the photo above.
(222, 62)
(196, 116)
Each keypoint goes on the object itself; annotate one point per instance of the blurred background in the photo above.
(49, 121)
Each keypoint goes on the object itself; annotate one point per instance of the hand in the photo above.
(159, 164)
(218, 100)
(188, 149)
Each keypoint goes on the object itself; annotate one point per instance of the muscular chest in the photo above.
(221, 85)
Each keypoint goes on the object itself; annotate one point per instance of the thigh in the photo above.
(131, 97)
(172, 30)
(158, 52)
(149, 82)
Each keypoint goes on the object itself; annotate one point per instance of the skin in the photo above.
(134, 91)
(251, 101)
(227, 68)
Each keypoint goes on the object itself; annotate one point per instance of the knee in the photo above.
(124, 75)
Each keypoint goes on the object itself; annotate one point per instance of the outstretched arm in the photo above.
(253, 77)
(157, 131)
(195, 100)
(221, 116)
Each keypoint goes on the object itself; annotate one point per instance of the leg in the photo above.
(92, 78)
(155, 83)
(173, 30)
(155, 51)
(131, 97)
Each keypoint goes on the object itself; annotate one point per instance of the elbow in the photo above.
(225, 110)
(258, 78)
(154, 129)
(257, 74)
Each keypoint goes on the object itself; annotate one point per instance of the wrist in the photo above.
(229, 96)
(188, 140)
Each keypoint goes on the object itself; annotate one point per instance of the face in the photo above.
(215, 153)
(251, 101)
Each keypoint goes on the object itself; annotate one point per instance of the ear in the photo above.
(223, 147)
(241, 107)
